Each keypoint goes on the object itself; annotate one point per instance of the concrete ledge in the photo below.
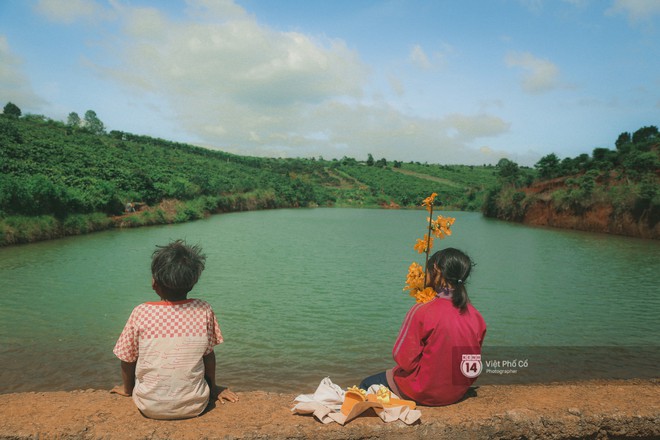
(602, 410)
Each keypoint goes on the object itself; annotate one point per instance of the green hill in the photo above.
(62, 179)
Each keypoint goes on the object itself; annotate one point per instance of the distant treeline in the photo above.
(60, 178)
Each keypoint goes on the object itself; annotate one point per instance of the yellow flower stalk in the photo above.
(440, 228)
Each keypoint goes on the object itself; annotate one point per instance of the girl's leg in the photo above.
(376, 379)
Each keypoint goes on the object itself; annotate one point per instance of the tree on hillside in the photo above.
(93, 123)
(370, 160)
(73, 120)
(639, 163)
(8, 134)
(623, 139)
(548, 166)
(11, 110)
(604, 158)
(348, 161)
(508, 170)
(645, 134)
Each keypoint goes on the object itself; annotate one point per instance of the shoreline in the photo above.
(172, 211)
(24, 230)
(593, 409)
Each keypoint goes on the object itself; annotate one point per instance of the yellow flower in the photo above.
(415, 279)
(441, 226)
(428, 202)
(425, 295)
(383, 395)
(424, 244)
(357, 390)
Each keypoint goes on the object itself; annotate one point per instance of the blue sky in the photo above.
(433, 81)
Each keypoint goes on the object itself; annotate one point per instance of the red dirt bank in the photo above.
(600, 218)
(602, 410)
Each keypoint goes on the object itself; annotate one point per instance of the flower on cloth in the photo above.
(384, 395)
(355, 389)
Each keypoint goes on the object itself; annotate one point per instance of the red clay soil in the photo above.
(598, 410)
(599, 218)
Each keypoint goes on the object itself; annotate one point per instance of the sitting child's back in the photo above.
(166, 347)
(169, 340)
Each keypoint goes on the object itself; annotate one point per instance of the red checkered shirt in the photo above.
(168, 340)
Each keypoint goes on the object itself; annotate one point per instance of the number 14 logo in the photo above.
(471, 365)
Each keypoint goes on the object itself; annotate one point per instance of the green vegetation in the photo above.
(625, 181)
(70, 178)
(460, 187)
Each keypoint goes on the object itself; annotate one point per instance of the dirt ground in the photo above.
(598, 409)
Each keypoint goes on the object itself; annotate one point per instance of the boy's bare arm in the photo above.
(128, 377)
(217, 392)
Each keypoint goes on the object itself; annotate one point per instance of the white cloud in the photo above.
(440, 55)
(15, 85)
(69, 11)
(217, 9)
(396, 85)
(418, 57)
(238, 62)
(635, 9)
(384, 131)
(250, 89)
(540, 75)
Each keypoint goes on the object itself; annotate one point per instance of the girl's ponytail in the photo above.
(459, 295)
(454, 267)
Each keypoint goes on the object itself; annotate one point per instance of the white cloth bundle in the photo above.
(325, 402)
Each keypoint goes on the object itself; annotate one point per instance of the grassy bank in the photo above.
(30, 229)
(23, 229)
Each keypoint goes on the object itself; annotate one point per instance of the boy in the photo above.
(166, 347)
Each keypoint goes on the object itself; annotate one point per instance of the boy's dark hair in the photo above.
(454, 266)
(176, 268)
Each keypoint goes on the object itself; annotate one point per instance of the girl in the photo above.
(435, 336)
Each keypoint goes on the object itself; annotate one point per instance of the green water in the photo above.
(304, 294)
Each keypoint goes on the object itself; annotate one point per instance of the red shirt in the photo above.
(428, 351)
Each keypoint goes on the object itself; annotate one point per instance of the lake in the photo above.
(307, 293)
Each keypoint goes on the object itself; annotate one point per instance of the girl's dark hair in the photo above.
(454, 266)
(176, 268)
